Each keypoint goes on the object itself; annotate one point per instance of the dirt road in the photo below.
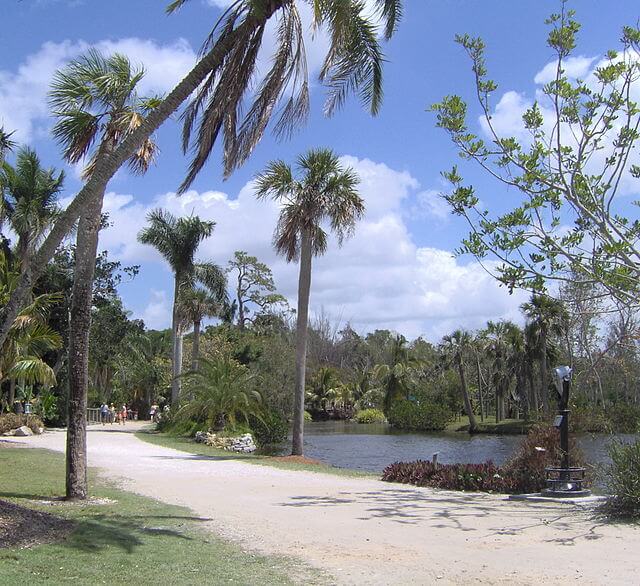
(368, 532)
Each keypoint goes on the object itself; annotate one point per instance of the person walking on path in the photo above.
(123, 414)
(112, 414)
(104, 413)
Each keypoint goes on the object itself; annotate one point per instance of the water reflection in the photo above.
(371, 447)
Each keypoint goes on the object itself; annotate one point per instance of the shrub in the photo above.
(523, 473)
(370, 416)
(307, 417)
(9, 421)
(623, 481)
(526, 468)
(270, 428)
(475, 477)
(422, 416)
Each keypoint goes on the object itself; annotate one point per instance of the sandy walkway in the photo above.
(369, 532)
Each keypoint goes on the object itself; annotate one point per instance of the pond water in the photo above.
(371, 447)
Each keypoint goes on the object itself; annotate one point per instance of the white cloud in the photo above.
(380, 278)
(432, 205)
(156, 312)
(23, 93)
(506, 118)
(574, 68)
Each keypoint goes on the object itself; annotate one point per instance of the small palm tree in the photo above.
(29, 337)
(28, 200)
(177, 240)
(222, 394)
(324, 193)
(455, 346)
(195, 305)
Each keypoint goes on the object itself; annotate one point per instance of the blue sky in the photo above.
(398, 271)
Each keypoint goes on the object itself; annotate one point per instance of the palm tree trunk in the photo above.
(177, 345)
(107, 167)
(480, 395)
(304, 288)
(12, 393)
(195, 350)
(79, 326)
(543, 372)
(473, 424)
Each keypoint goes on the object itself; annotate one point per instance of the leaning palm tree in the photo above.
(96, 105)
(455, 346)
(222, 80)
(177, 240)
(324, 193)
(548, 317)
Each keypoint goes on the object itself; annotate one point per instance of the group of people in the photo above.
(109, 414)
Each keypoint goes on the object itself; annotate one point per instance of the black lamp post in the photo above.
(565, 481)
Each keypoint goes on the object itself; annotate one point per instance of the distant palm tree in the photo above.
(455, 346)
(95, 102)
(195, 305)
(28, 201)
(177, 240)
(548, 317)
(6, 144)
(325, 193)
(499, 347)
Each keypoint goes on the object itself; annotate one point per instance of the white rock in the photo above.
(23, 431)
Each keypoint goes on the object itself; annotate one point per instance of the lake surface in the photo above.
(372, 447)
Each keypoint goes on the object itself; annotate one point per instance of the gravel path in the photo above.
(364, 531)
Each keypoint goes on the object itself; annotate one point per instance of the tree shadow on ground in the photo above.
(446, 510)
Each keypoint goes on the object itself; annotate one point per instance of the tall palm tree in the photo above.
(195, 305)
(95, 102)
(549, 318)
(455, 346)
(324, 193)
(499, 336)
(177, 240)
(222, 79)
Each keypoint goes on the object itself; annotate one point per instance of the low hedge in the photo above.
(421, 416)
(523, 473)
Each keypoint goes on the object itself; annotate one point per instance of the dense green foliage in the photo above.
(421, 416)
(370, 416)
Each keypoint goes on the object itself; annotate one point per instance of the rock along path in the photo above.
(363, 531)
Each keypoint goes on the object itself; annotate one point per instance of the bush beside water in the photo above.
(370, 416)
(422, 416)
(523, 473)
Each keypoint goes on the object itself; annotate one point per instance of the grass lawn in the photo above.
(125, 539)
(186, 444)
(489, 425)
